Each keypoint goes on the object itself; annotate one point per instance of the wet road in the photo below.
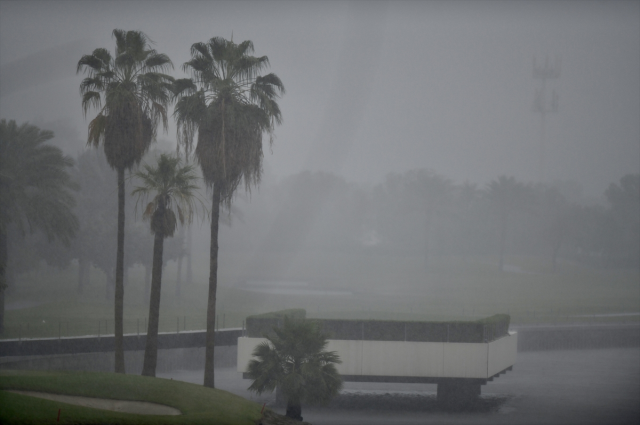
(547, 387)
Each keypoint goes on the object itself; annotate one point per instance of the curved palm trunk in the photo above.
(119, 289)
(213, 286)
(151, 347)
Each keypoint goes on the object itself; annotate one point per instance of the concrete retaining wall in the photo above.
(94, 344)
(576, 337)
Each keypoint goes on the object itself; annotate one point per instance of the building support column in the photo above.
(458, 394)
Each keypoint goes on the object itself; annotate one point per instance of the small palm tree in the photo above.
(132, 94)
(229, 105)
(175, 200)
(34, 189)
(295, 361)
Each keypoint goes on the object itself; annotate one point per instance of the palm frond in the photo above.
(132, 94)
(175, 189)
(294, 359)
(34, 183)
(232, 110)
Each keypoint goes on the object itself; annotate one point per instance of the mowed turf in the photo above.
(371, 286)
(199, 405)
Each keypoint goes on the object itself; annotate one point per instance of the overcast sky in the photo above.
(374, 87)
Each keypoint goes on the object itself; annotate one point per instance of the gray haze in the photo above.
(375, 87)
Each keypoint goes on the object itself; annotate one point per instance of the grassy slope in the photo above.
(382, 286)
(197, 403)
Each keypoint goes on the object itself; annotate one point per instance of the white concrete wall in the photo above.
(502, 353)
(423, 359)
(245, 351)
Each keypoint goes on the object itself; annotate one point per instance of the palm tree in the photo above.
(174, 186)
(230, 106)
(294, 359)
(132, 94)
(34, 190)
(507, 195)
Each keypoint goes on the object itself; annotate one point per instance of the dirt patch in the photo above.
(124, 406)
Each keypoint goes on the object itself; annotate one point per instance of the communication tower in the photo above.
(544, 105)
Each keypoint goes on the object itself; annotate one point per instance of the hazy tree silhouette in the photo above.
(556, 214)
(95, 212)
(466, 200)
(174, 187)
(624, 200)
(229, 105)
(35, 190)
(132, 93)
(295, 361)
(507, 195)
(430, 193)
(95, 244)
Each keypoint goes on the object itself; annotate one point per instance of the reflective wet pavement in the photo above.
(548, 387)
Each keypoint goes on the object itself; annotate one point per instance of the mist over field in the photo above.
(436, 160)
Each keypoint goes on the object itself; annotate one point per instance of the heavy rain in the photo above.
(336, 212)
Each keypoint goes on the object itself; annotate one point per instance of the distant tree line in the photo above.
(419, 212)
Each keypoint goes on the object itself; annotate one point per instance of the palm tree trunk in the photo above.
(147, 281)
(151, 347)
(4, 258)
(213, 286)
(294, 410)
(119, 290)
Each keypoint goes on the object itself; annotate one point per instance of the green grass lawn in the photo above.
(199, 405)
(374, 285)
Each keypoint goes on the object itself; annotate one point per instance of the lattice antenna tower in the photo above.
(544, 105)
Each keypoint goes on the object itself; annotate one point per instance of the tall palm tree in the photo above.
(294, 359)
(34, 190)
(174, 187)
(131, 92)
(230, 106)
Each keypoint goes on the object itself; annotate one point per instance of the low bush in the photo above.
(261, 325)
(483, 330)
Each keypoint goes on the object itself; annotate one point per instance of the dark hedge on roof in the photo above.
(261, 325)
(483, 330)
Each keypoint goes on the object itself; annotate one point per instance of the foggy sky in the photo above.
(375, 87)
